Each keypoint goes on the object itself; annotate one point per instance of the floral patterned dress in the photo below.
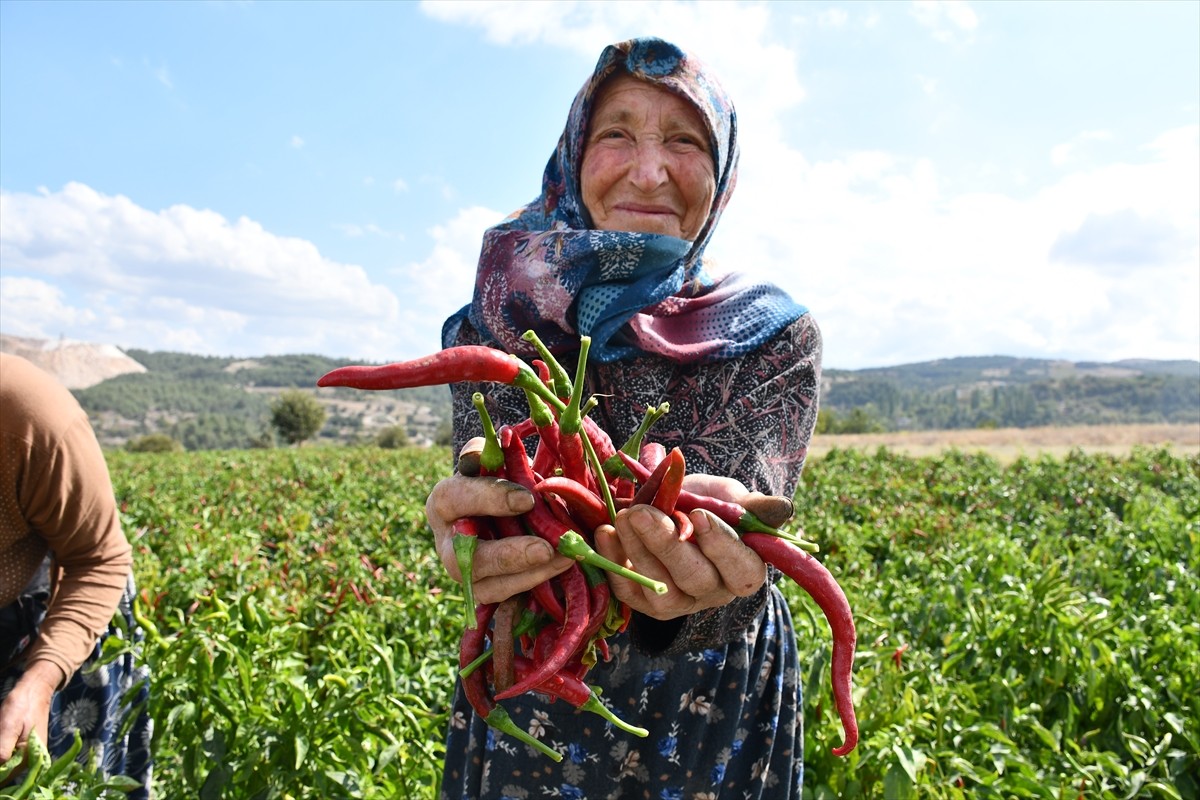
(719, 690)
(105, 701)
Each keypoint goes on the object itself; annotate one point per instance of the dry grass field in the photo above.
(1007, 444)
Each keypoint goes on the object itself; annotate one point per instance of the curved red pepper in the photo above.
(812, 576)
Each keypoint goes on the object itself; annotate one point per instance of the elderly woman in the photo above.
(613, 248)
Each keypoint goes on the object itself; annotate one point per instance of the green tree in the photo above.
(154, 443)
(392, 436)
(445, 434)
(297, 415)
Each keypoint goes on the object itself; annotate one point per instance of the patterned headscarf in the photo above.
(545, 268)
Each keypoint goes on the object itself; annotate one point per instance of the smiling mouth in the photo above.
(654, 210)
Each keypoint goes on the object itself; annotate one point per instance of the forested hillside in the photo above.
(1006, 392)
(208, 402)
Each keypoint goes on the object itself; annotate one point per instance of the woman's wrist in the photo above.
(44, 675)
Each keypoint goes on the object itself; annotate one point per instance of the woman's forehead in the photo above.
(624, 97)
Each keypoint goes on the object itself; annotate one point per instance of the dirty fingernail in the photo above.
(519, 500)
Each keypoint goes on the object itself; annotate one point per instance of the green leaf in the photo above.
(300, 743)
(897, 785)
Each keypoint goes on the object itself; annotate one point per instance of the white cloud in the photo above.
(897, 269)
(735, 39)
(296, 142)
(35, 308)
(443, 282)
(115, 272)
(1067, 152)
(948, 21)
(354, 230)
(832, 17)
(399, 185)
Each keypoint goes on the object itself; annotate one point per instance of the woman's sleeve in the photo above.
(69, 502)
(750, 419)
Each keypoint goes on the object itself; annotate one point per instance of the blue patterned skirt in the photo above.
(725, 724)
(105, 700)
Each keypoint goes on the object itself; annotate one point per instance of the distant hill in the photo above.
(1004, 391)
(77, 364)
(211, 402)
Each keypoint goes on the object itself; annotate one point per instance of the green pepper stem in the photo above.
(572, 545)
(464, 553)
(589, 451)
(570, 421)
(803, 544)
(492, 457)
(596, 706)
(558, 375)
(499, 719)
(614, 467)
(475, 664)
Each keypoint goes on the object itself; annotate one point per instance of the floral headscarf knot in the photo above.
(634, 293)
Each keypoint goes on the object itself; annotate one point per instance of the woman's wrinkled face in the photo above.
(646, 162)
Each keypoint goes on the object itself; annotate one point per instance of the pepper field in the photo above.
(1026, 630)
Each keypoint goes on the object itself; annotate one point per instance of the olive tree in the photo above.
(297, 415)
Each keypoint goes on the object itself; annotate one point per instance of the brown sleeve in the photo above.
(66, 497)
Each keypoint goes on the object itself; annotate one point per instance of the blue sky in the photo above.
(932, 179)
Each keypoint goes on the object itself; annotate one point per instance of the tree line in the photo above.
(881, 404)
(209, 403)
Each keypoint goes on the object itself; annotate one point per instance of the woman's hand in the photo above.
(706, 572)
(503, 567)
(27, 707)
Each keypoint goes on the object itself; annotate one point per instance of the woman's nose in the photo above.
(649, 169)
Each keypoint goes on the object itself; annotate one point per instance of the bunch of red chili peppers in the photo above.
(547, 640)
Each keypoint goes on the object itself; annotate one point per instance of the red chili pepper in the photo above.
(543, 371)
(561, 511)
(544, 594)
(475, 688)
(669, 488)
(470, 647)
(732, 514)
(583, 503)
(575, 592)
(452, 365)
(812, 576)
(517, 469)
(525, 428)
(683, 524)
(649, 485)
(573, 690)
(652, 454)
(571, 456)
(602, 443)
